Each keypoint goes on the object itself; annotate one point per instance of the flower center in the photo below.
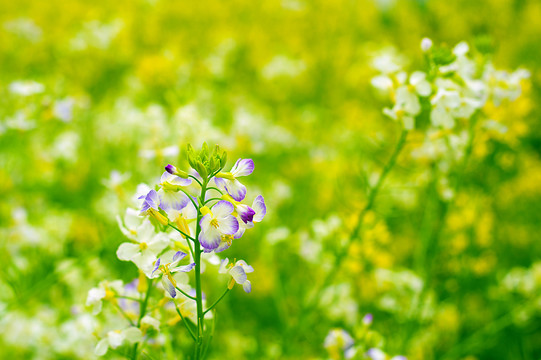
(214, 222)
(143, 246)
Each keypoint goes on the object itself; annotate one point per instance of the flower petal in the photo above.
(126, 251)
(223, 266)
(247, 286)
(168, 286)
(184, 268)
(210, 239)
(224, 245)
(238, 274)
(102, 347)
(235, 189)
(243, 167)
(156, 267)
(260, 208)
(246, 213)
(133, 334)
(179, 255)
(222, 209)
(239, 233)
(229, 225)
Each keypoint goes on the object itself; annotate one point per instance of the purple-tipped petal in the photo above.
(156, 266)
(239, 233)
(179, 255)
(236, 189)
(246, 213)
(184, 268)
(243, 167)
(247, 286)
(224, 245)
(229, 225)
(151, 201)
(168, 286)
(238, 274)
(222, 209)
(260, 208)
(210, 239)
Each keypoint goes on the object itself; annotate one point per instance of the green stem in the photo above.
(185, 294)
(196, 179)
(128, 298)
(217, 301)
(190, 197)
(198, 291)
(215, 188)
(123, 313)
(142, 313)
(312, 303)
(182, 232)
(212, 199)
(185, 322)
(371, 199)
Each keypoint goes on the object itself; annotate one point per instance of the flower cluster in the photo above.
(181, 224)
(455, 86)
(366, 344)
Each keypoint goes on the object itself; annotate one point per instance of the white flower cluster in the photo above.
(454, 87)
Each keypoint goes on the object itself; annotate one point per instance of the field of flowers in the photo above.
(285, 179)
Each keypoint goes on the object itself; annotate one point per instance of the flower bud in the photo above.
(201, 169)
(191, 155)
(223, 159)
(173, 170)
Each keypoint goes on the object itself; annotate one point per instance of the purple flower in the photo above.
(150, 201)
(229, 182)
(168, 282)
(217, 223)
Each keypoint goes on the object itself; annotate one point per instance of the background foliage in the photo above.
(286, 83)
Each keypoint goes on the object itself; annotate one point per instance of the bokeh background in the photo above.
(122, 87)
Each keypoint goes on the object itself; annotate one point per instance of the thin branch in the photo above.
(182, 232)
(185, 294)
(196, 179)
(185, 322)
(217, 301)
(123, 313)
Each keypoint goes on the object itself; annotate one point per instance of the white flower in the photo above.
(147, 244)
(238, 271)
(104, 290)
(116, 338)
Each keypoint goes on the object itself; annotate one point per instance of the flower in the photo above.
(105, 291)
(260, 210)
(116, 338)
(150, 206)
(170, 194)
(168, 282)
(147, 243)
(339, 344)
(173, 170)
(229, 182)
(217, 223)
(238, 271)
(407, 104)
